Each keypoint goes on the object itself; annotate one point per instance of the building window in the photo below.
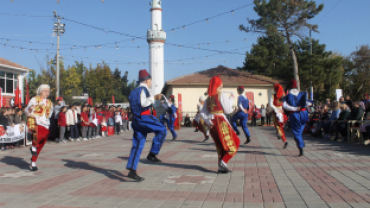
(8, 82)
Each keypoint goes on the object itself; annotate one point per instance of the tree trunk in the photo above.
(294, 61)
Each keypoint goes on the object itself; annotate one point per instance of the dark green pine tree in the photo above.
(269, 57)
(325, 68)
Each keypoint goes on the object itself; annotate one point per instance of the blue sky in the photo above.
(344, 28)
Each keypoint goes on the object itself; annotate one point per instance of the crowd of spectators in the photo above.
(72, 123)
(331, 120)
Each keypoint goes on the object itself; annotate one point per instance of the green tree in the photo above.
(325, 68)
(269, 58)
(286, 18)
(356, 74)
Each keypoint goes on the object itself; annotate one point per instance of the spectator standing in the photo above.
(24, 116)
(72, 120)
(99, 116)
(93, 124)
(263, 115)
(118, 122)
(85, 123)
(17, 117)
(62, 123)
(124, 120)
(10, 116)
(104, 127)
(187, 121)
(268, 114)
(254, 115)
(4, 124)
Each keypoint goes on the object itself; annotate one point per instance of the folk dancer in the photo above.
(296, 103)
(170, 117)
(213, 114)
(143, 123)
(39, 111)
(276, 103)
(198, 120)
(241, 114)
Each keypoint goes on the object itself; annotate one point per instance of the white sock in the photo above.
(33, 164)
(34, 149)
(222, 162)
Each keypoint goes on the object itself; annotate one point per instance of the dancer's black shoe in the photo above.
(301, 152)
(206, 139)
(285, 145)
(223, 171)
(173, 139)
(237, 133)
(248, 140)
(196, 130)
(132, 174)
(151, 157)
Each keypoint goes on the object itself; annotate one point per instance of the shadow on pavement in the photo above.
(174, 165)
(113, 174)
(15, 161)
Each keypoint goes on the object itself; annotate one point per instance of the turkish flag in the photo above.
(113, 101)
(16, 98)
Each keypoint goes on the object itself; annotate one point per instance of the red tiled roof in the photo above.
(11, 64)
(228, 76)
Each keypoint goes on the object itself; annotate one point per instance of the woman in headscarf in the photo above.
(39, 111)
(213, 113)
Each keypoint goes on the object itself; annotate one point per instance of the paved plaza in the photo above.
(93, 174)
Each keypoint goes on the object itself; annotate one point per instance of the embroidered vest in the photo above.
(42, 109)
(214, 104)
(135, 102)
(244, 101)
(277, 102)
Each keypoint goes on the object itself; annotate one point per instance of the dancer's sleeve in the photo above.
(204, 113)
(29, 107)
(227, 103)
(272, 103)
(146, 101)
(288, 107)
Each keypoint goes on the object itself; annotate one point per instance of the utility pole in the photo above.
(311, 87)
(58, 30)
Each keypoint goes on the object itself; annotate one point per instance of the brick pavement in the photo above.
(92, 174)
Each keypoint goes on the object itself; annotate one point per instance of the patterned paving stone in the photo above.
(93, 174)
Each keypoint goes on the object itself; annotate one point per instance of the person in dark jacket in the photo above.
(187, 121)
(4, 124)
(343, 116)
(357, 114)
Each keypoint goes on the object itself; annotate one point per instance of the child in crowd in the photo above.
(17, 117)
(93, 124)
(85, 123)
(104, 127)
(62, 124)
(118, 121)
(124, 120)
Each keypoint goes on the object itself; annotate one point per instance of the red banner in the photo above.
(113, 101)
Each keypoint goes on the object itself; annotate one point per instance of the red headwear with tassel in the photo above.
(214, 84)
(279, 91)
(293, 84)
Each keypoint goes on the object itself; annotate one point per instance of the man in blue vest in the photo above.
(170, 117)
(241, 114)
(296, 102)
(144, 122)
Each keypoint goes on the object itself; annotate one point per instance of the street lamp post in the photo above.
(58, 30)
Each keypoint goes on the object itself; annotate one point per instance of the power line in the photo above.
(328, 11)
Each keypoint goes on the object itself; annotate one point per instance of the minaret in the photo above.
(156, 39)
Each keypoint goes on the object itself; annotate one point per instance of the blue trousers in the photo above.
(142, 126)
(170, 123)
(297, 123)
(243, 117)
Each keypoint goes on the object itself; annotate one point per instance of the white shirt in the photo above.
(145, 101)
(43, 120)
(288, 107)
(226, 103)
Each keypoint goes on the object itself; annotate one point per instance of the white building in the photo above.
(11, 74)
(156, 38)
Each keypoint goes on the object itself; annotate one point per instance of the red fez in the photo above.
(278, 90)
(144, 75)
(59, 98)
(241, 87)
(172, 97)
(293, 84)
(214, 84)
